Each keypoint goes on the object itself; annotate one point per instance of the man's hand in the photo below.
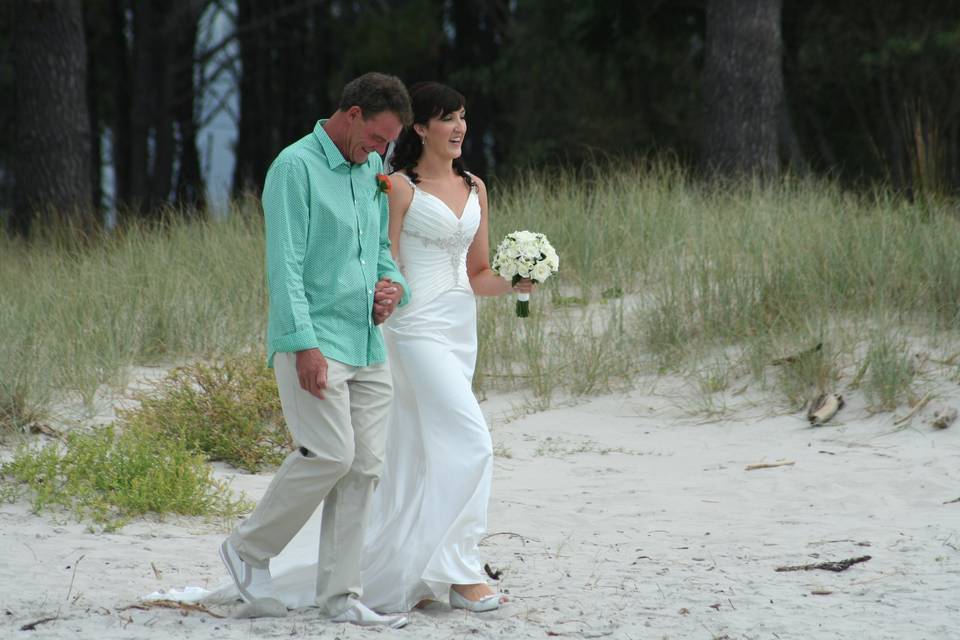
(312, 371)
(386, 297)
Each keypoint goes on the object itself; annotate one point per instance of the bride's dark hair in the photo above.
(430, 100)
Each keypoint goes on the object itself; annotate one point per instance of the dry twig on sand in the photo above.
(840, 565)
(769, 465)
(796, 357)
(525, 539)
(172, 604)
(920, 405)
(32, 626)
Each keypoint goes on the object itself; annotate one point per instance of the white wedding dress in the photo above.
(429, 511)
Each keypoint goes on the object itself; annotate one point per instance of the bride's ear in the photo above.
(420, 130)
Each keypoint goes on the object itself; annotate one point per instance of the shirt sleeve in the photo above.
(286, 213)
(386, 267)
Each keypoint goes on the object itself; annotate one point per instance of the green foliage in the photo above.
(228, 411)
(889, 372)
(109, 477)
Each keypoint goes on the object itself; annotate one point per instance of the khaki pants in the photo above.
(340, 445)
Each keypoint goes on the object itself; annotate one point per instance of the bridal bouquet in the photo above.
(525, 254)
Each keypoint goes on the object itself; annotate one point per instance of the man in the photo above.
(331, 280)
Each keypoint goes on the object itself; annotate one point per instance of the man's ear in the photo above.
(354, 112)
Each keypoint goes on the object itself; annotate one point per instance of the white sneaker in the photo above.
(360, 614)
(252, 583)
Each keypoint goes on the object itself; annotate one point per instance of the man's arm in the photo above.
(286, 214)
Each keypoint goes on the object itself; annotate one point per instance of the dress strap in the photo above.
(474, 188)
(404, 175)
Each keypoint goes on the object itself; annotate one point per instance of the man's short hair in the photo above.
(375, 93)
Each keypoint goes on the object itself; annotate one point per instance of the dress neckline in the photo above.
(446, 206)
(418, 189)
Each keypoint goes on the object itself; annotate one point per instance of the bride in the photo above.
(430, 509)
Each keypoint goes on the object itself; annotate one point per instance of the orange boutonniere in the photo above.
(383, 183)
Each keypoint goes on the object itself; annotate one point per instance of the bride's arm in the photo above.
(483, 280)
(399, 198)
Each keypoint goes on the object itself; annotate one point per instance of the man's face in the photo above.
(372, 134)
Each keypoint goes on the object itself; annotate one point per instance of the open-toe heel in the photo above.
(488, 603)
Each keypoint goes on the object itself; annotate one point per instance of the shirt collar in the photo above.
(330, 150)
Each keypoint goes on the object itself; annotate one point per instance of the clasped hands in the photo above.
(386, 297)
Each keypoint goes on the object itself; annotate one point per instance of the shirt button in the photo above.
(363, 262)
(361, 232)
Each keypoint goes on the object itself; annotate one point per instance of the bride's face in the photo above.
(443, 135)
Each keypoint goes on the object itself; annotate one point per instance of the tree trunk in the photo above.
(93, 88)
(52, 162)
(480, 31)
(742, 87)
(254, 75)
(121, 155)
(144, 96)
(189, 184)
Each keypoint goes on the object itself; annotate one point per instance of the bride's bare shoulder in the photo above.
(401, 181)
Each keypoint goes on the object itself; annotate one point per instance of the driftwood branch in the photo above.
(791, 359)
(920, 405)
(770, 465)
(33, 625)
(841, 565)
(172, 604)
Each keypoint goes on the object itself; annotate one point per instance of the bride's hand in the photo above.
(524, 285)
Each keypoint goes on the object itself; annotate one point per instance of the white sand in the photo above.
(621, 517)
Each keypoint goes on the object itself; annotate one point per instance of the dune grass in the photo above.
(76, 313)
(658, 273)
(796, 288)
(770, 270)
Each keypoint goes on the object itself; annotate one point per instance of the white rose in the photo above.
(508, 270)
(541, 271)
(524, 237)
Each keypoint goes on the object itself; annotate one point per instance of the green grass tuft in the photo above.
(228, 411)
(889, 372)
(109, 477)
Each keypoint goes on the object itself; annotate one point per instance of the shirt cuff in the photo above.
(299, 341)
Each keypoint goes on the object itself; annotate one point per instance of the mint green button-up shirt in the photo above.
(326, 246)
